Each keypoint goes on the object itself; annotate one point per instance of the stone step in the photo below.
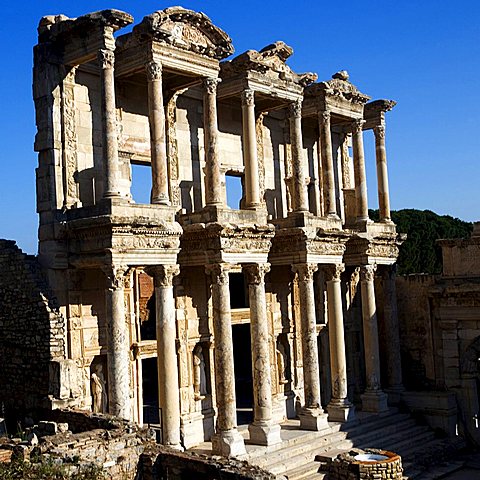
(306, 471)
(403, 447)
(370, 437)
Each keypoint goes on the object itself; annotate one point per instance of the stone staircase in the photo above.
(303, 454)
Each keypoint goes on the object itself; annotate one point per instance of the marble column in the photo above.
(158, 145)
(118, 357)
(382, 174)
(213, 181)
(252, 181)
(359, 172)
(167, 361)
(111, 189)
(300, 196)
(374, 399)
(227, 440)
(327, 164)
(392, 336)
(339, 409)
(263, 431)
(312, 416)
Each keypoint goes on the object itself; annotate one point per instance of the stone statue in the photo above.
(281, 365)
(99, 391)
(199, 374)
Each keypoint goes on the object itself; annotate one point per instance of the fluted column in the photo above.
(158, 144)
(392, 336)
(300, 197)
(359, 172)
(213, 194)
(106, 59)
(168, 390)
(339, 409)
(262, 431)
(118, 357)
(312, 416)
(226, 440)
(252, 182)
(373, 400)
(327, 164)
(382, 174)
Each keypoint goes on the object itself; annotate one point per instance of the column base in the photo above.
(395, 394)
(228, 443)
(374, 401)
(313, 419)
(341, 411)
(264, 434)
(161, 201)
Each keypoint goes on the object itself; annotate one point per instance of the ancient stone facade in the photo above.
(185, 312)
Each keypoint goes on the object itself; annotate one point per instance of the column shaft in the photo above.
(252, 182)
(118, 344)
(168, 391)
(213, 194)
(262, 430)
(382, 174)
(359, 172)
(158, 145)
(327, 164)
(300, 197)
(109, 124)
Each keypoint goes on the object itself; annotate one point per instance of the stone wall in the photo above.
(31, 333)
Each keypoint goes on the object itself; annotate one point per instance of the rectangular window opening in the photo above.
(141, 182)
(234, 187)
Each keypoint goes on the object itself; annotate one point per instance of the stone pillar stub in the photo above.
(118, 357)
(382, 174)
(339, 409)
(263, 431)
(374, 399)
(167, 362)
(359, 172)
(327, 164)
(227, 440)
(158, 144)
(312, 416)
(213, 181)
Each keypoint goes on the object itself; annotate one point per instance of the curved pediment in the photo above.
(188, 30)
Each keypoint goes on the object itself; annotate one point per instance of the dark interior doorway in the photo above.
(150, 391)
(242, 357)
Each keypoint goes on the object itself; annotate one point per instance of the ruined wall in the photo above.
(31, 333)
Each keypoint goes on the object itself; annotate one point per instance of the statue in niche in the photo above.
(280, 353)
(199, 374)
(99, 391)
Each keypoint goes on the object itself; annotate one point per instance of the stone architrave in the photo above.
(339, 409)
(118, 343)
(250, 160)
(330, 207)
(158, 145)
(300, 197)
(359, 172)
(374, 399)
(227, 440)
(382, 174)
(168, 392)
(106, 59)
(312, 416)
(213, 194)
(263, 431)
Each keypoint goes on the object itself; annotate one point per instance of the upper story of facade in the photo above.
(163, 96)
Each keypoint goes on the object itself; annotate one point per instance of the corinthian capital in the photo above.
(333, 272)
(379, 131)
(255, 272)
(248, 98)
(305, 271)
(357, 125)
(324, 117)
(210, 85)
(295, 108)
(367, 273)
(154, 70)
(163, 274)
(218, 272)
(115, 276)
(106, 58)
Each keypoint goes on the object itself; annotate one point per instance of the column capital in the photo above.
(295, 108)
(163, 274)
(116, 276)
(305, 271)
(379, 131)
(324, 117)
(248, 98)
(333, 272)
(210, 84)
(218, 273)
(357, 125)
(106, 58)
(255, 272)
(154, 70)
(367, 272)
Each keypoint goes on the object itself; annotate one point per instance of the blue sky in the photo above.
(424, 54)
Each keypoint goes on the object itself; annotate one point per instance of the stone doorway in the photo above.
(242, 357)
(151, 414)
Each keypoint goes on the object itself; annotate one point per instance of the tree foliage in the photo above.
(420, 253)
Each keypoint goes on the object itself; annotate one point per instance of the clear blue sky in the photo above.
(425, 54)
